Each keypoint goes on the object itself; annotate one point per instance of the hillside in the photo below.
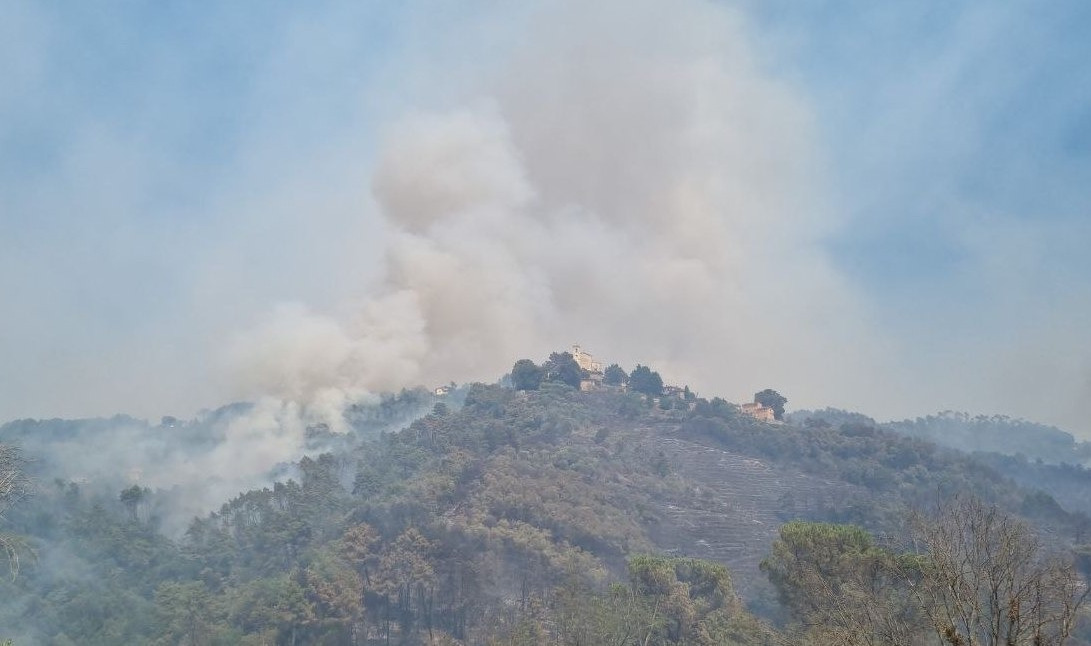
(476, 520)
(971, 433)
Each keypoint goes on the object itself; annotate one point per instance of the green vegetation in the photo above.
(540, 515)
(615, 375)
(644, 380)
(772, 399)
(562, 368)
(971, 433)
(13, 487)
(968, 574)
(996, 433)
(526, 375)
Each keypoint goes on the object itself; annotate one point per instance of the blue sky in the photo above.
(169, 171)
(956, 110)
(960, 133)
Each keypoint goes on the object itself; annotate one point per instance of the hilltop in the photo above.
(472, 513)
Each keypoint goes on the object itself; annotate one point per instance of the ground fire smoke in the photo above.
(631, 181)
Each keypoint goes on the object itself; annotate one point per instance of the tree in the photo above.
(334, 590)
(772, 399)
(615, 375)
(985, 578)
(644, 380)
(132, 498)
(689, 601)
(562, 367)
(526, 375)
(841, 587)
(358, 547)
(617, 617)
(276, 605)
(13, 487)
(188, 613)
(405, 572)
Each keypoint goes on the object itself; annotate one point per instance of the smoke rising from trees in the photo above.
(631, 180)
(665, 183)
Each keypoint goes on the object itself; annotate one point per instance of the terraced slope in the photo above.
(734, 505)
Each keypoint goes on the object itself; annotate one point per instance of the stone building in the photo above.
(592, 370)
(759, 412)
(585, 360)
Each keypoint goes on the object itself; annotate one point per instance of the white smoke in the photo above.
(633, 181)
(269, 434)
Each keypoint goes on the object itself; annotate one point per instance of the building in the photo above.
(674, 391)
(443, 391)
(759, 412)
(585, 360)
(592, 370)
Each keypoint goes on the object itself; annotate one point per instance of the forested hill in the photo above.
(546, 515)
(971, 433)
(1033, 455)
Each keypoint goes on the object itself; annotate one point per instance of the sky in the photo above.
(870, 206)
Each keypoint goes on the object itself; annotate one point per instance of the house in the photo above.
(759, 412)
(443, 391)
(674, 391)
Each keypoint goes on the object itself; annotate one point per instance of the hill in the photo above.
(972, 433)
(487, 514)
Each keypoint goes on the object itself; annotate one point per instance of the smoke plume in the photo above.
(630, 180)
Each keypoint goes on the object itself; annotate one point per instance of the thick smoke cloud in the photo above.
(876, 208)
(632, 181)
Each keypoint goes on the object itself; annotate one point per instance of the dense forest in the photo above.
(530, 512)
(972, 433)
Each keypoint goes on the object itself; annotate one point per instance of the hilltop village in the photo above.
(593, 377)
(529, 514)
(580, 369)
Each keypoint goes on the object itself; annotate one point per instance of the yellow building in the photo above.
(592, 368)
(585, 360)
(759, 412)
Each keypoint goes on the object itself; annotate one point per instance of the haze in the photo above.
(875, 207)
